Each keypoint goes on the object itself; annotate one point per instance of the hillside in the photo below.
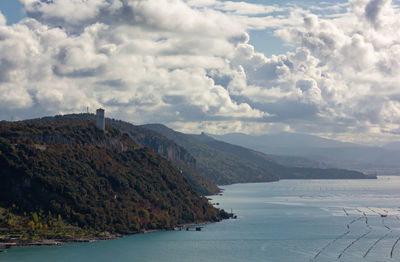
(226, 163)
(144, 137)
(63, 173)
(220, 167)
(172, 151)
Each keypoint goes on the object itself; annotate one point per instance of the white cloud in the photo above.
(189, 63)
(60, 13)
(14, 97)
(359, 52)
(148, 58)
(3, 20)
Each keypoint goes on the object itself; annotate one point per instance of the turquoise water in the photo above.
(290, 221)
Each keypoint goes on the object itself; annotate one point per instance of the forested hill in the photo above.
(70, 171)
(145, 137)
(172, 151)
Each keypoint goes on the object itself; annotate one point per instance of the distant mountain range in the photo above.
(313, 151)
(394, 146)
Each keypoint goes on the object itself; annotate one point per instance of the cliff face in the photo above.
(160, 144)
(96, 180)
(173, 152)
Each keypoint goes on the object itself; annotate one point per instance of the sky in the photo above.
(325, 68)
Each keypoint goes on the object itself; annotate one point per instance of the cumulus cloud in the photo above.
(358, 62)
(189, 64)
(14, 97)
(3, 20)
(341, 77)
(142, 60)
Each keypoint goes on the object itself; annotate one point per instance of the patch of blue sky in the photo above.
(13, 10)
(266, 42)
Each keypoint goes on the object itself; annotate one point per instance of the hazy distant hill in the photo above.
(297, 161)
(220, 167)
(58, 169)
(394, 146)
(283, 140)
(332, 153)
(226, 163)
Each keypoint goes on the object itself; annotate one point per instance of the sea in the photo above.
(288, 221)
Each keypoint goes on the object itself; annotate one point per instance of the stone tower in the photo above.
(100, 122)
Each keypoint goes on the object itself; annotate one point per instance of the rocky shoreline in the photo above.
(10, 243)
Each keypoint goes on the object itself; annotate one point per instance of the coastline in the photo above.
(12, 243)
(54, 242)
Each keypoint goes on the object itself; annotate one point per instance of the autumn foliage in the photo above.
(94, 180)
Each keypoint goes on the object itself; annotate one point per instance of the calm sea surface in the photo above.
(290, 221)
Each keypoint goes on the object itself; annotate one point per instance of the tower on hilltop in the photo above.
(100, 122)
